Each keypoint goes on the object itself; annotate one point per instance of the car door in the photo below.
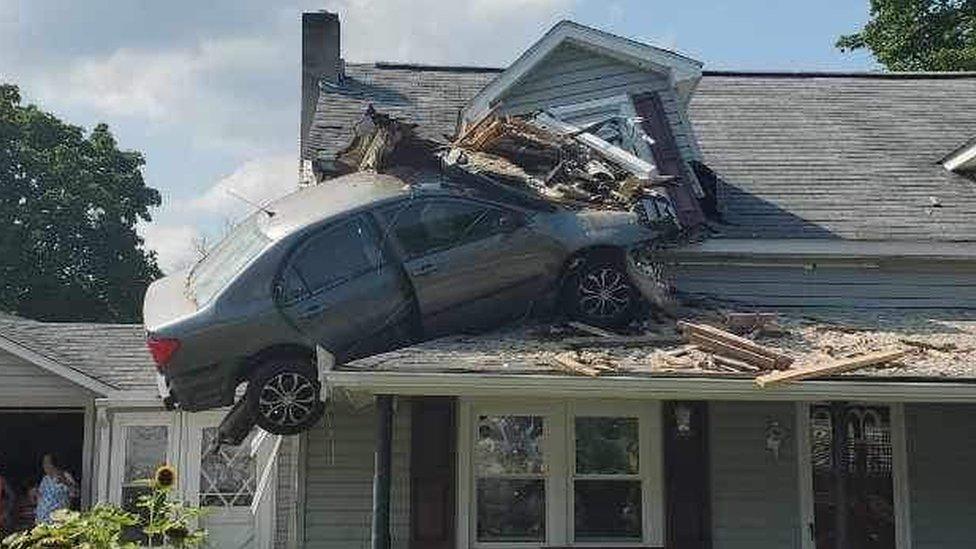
(343, 291)
(472, 264)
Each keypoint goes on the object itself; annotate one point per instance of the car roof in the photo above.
(313, 204)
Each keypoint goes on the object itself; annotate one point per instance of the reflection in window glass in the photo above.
(427, 226)
(607, 485)
(509, 445)
(509, 470)
(607, 509)
(227, 477)
(607, 445)
(335, 256)
(511, 510)
(145, 451)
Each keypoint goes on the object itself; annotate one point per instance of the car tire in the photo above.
(283, 396)
(600, 293)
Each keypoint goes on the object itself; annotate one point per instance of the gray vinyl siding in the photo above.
(864, 285)
(755, 496)
(571, 74)
(941, 443)
(24, 384)
(339, 479)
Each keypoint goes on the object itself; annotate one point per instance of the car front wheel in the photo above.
(283, 396)
(601, 294)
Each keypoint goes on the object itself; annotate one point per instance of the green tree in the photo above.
(69, 204)
(919, 35)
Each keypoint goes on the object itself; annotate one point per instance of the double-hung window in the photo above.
(560, 473)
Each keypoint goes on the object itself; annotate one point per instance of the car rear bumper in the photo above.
(202, 388)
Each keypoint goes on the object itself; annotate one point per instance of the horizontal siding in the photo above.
(796, 286)
(942, 479)
(755, 498)
(339, 480)
(24, 384)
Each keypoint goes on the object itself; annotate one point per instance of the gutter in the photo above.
(632, 387)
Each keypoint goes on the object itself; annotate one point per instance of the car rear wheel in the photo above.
(283, 396)
(602, 294)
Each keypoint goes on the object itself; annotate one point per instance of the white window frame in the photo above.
(120, 423)
(559, 453)
(899, 473)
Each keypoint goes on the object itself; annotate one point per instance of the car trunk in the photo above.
(167, 301)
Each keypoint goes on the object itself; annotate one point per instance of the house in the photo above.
(837, 195)
(87, 393)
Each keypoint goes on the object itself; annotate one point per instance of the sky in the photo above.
(209, 90)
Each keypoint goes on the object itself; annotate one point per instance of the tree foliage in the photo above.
(69, 201)
(919, 35)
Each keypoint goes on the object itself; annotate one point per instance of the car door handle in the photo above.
(424, 269)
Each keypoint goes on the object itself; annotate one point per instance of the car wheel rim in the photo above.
(604, 293)
(287, 399)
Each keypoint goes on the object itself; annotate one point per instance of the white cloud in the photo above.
(175, 245)
(259, 181)
(488, 32)
(223, 93)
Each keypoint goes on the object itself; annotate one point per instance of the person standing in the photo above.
(56, 489)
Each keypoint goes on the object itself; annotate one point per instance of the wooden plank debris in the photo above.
(740, 348)
(621, 341)
(568, 363)
(592, 330)
(830, 368)
(745, 323)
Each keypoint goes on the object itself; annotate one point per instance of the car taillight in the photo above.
(162, 349)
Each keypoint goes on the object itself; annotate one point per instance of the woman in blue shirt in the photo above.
(56, 490)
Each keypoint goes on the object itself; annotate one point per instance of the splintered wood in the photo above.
(830, 368)
(733, 347)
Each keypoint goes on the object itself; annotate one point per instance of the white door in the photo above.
(223, 483)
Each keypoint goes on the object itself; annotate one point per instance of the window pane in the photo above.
(337, 255)
(509, 445)
(145, 451)
(227, 477)
(607, 446)
(608, 509)
(222, 263)
(427, 226)
(511, 510)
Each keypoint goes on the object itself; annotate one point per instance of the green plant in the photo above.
(167, 523)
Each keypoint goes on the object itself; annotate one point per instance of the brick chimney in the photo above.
(320, 62)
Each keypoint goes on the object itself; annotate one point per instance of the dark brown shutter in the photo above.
(668, 158)
(686, 474)
(432, 459)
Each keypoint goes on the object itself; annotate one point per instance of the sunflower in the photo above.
(165, 477)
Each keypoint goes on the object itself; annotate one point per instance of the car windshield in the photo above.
(221, 264)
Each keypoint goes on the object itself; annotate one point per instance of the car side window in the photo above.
(332, 257)
(426, 226)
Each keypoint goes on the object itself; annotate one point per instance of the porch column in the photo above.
(382, 472)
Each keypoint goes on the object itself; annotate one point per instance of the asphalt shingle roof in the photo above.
(114, 354)
(852, 156)
(431, 97)
(839, 156)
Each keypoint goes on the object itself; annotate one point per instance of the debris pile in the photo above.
(704, 347)
(562, 163)
(540, 157)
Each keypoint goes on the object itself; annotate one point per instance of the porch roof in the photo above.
(942, 344)
(114, 355)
